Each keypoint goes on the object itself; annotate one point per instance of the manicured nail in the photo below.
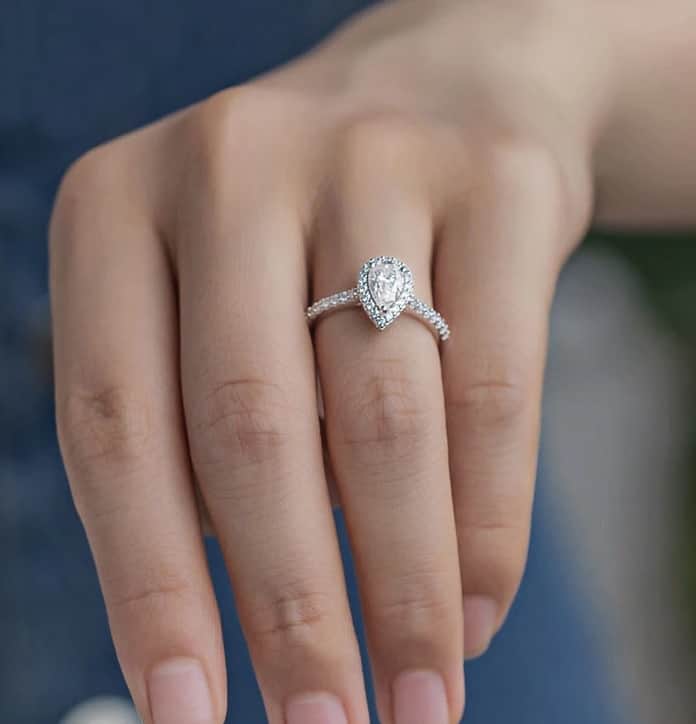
(480, 618)
(179, 693)
(315, 708)
(420, 698)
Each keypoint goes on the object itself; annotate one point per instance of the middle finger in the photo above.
(249, 391)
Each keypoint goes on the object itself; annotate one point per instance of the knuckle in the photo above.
(521, 163)
(82, 185)
(418, 609)
(387, 411)
(524, 168)
(213, 123)
(297, 617)
(376, 143)
(490, 401)
(104, 428)
(240, 423)
(224, 125)
(225, 108)
(234, 129)
(155, 596)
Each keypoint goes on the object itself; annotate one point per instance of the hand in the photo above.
(457, 137)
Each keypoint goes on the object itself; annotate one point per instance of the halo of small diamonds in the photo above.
(384, 290)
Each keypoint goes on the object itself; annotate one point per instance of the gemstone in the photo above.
(386, 283)
(385, 287)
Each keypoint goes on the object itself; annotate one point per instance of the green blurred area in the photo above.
(666, 265)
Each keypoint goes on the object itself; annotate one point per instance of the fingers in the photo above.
(121, 433)
(386, 434)
(495, 273)
(250, 397)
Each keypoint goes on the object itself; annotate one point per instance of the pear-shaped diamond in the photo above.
(386, 284)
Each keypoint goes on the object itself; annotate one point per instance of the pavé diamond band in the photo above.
(384, 290)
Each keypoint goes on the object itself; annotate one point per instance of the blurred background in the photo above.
(612, 579)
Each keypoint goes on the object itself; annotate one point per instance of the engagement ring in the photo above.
(384, 290)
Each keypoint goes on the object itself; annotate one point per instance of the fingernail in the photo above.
(179, 693)
(315, 708)
(420, 698)
(480, 617)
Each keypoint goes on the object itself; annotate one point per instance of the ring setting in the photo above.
(384, 290)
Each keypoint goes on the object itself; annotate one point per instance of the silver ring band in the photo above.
(384, 290)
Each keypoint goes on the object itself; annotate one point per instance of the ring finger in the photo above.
(387, 443)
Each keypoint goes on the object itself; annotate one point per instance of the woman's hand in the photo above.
(456, 136)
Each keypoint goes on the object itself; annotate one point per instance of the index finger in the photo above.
(119, 422)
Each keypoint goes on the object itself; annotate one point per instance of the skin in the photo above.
(477, 141)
